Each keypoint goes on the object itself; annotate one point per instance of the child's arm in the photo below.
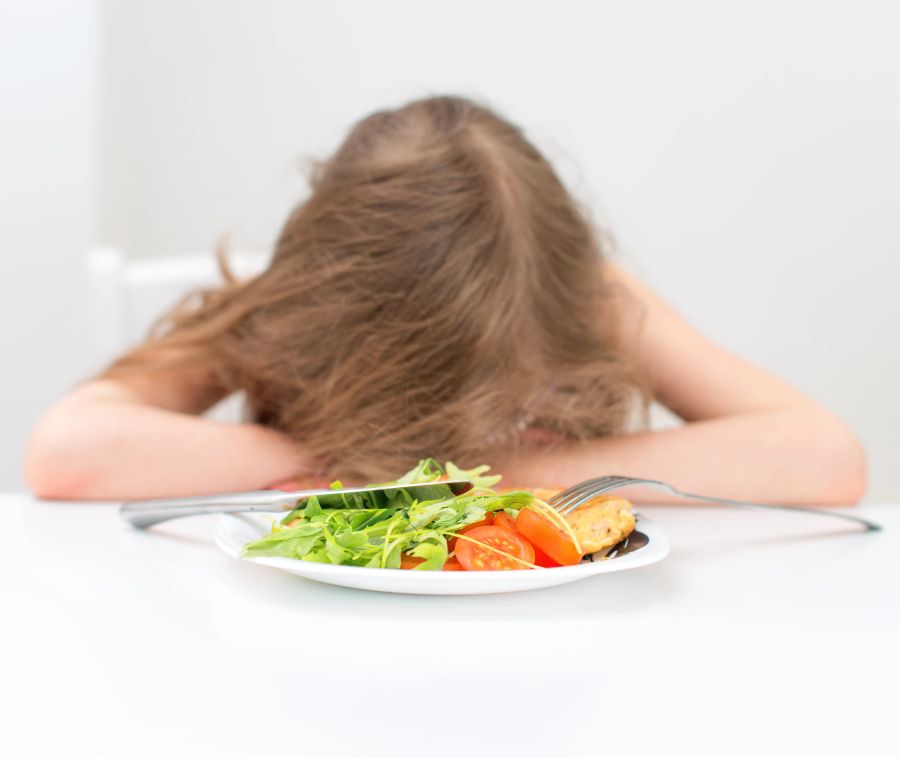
(749, 435)
(135, 437)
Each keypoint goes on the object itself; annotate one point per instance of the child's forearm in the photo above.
(796, 455)
(120, 450)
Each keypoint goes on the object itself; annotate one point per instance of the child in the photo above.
(438, 294)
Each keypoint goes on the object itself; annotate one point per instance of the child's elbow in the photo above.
(846, 473)
(53, 467)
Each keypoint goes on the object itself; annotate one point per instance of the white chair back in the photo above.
(128, 296)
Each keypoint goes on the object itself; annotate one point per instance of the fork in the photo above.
(568, 500)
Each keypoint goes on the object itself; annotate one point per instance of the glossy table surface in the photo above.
(761, 632)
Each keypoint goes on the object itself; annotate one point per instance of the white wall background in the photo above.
(746, 156)
(49, 159)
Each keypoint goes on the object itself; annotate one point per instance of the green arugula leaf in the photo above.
(391, 559)
(304, 545)
(312, 508)
(475, 475)
(335, 553)
(296, 513)
(290, 543)
(426, 470)
(433, 551)
(317, 556)
(351, 540)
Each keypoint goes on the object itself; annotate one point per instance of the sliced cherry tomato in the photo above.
(488, 520)
(453, 564)
(541, 532)
(476, 557)
(504, 520)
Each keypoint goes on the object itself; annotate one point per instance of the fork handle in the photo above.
(869, 525)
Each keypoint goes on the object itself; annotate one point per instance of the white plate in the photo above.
(233, 532)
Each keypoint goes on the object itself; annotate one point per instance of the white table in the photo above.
(761, 634)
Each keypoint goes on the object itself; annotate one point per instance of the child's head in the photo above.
(437, 291)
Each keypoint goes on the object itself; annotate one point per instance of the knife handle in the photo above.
(145, 513)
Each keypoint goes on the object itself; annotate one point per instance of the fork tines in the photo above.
(577, 495)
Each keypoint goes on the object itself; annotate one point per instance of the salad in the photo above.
(480, 530)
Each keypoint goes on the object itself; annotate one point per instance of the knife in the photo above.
(144, 513)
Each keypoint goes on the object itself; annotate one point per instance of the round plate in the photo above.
(235, 531)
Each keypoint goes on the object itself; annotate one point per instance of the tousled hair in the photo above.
(438, 291)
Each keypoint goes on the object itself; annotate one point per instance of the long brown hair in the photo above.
(437, 291)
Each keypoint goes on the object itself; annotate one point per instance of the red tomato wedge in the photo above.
(453, 564)
(476, 557)
(542, 559)
(488, 520)
(547, 536)
(505, 521)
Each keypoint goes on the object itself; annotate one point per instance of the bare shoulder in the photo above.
(640, 313)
